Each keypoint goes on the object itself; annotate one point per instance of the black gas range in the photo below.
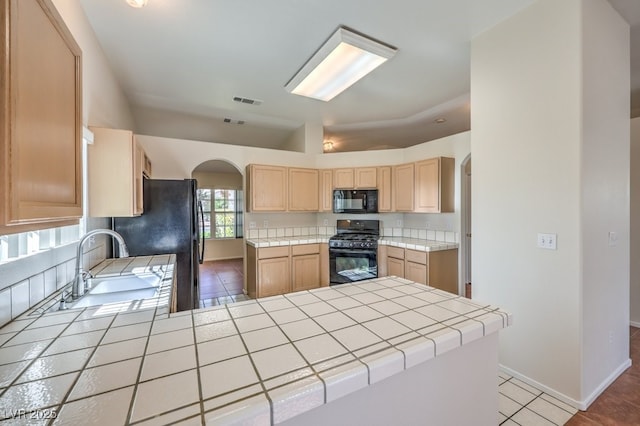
(353, 251)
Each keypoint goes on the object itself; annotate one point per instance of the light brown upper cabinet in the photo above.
(326, 190)
(266, 188)
(366, 177)
(384, 189)
(403, 187)
(41, 124)
(117, 165)
(356, 178)
(303, 189)
(434, 186)
(343, 179)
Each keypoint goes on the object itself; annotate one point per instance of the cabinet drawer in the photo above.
(302, 249)
(416, 256)
(395, 252)
(271, 252)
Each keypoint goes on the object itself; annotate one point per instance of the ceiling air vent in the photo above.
(247, 101)
(230, 121)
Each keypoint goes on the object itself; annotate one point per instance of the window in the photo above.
(15, 246)
(222, 213)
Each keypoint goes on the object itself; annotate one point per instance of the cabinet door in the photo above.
(416, 272)
(114, 166)
(395, 267)
(41, 118)
(273, 276)
(324, 265)
(303, 189)
(343, 179)
(267, 188)
(366, 177)
(435, 185)
(428, 186)
(326, 190)
(403, 183)
(384, 189)
(305, 272)
(138, 176)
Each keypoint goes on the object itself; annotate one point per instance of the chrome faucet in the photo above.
(80, 279)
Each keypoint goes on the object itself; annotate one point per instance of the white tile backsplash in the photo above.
(50, 281)
(5, 306)
(36, 289)
(19, 298)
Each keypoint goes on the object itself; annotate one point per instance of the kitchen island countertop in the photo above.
(262, 361)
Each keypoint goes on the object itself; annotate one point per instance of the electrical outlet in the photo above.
(547, 241)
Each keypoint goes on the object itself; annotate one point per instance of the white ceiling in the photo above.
(181, 63)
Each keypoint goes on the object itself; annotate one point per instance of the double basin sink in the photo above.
(121, 288)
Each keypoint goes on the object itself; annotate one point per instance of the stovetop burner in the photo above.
(356, 234)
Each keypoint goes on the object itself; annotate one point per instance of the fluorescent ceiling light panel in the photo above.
(342, 60)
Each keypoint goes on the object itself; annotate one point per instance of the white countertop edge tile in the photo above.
(296, 398)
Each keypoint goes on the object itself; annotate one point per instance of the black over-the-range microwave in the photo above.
(355, 201)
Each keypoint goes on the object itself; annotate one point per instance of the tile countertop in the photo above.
(262, 361)
(404, 242)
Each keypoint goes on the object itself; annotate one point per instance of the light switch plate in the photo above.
(547, 241)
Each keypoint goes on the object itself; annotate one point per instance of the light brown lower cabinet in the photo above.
(438, 269)
(395, 267)
(305, 267)
(279, 270)
(268, 271)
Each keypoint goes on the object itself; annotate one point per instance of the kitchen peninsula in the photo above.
(381, 351)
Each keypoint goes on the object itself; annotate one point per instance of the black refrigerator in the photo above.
(169, 224)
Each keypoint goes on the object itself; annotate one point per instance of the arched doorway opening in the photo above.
(222, 271)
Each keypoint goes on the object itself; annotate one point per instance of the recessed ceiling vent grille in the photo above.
(230, 121)
(255, 102)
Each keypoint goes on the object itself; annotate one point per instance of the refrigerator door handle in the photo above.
(201, 254)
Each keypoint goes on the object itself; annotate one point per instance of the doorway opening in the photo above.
(465, 241)
(222, 273)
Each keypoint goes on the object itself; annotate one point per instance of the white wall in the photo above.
(605, 195)
(635, 222)
(103, 101)
(535, 170)
(176, 158)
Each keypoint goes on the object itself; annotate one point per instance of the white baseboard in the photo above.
(580, 405)
(222, 258)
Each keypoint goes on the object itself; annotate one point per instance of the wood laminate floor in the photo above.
(619, 404)
(221, 281)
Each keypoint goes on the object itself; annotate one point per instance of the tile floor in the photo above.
(522, 404)
(221, 282)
